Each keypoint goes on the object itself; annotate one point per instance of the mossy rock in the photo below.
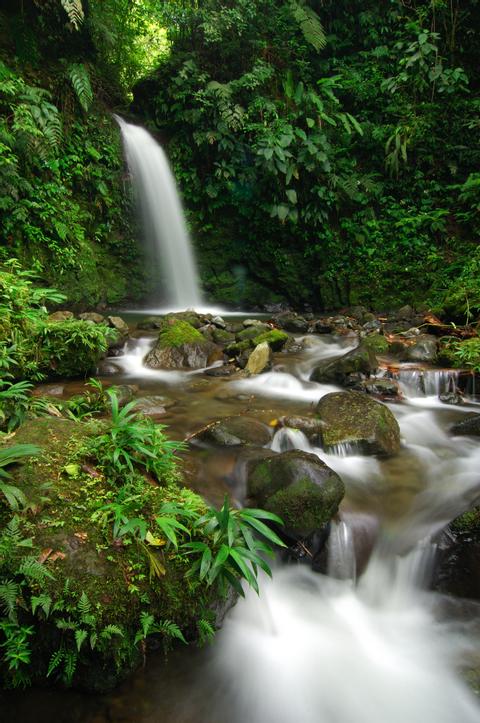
(376, 342)
(239, 347)
(275, 339)
(298, 487)
(252, 332)
(359, 361)
(73, 541)
(221, 336)
(356, 419)
(181, 346)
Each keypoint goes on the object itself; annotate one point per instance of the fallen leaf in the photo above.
(57, 556)
(44, 555)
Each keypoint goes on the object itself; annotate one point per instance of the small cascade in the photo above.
(287, 438)
(341, 552)
(162, 216)
(343, 449)
(426, 382)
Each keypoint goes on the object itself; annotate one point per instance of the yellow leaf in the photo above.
(155, 541)
(72, 469)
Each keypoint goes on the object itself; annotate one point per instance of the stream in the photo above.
(369, 642)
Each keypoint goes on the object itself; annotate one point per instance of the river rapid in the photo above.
(368, 642)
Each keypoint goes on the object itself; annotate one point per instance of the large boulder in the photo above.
(356, 419)
(458, 572)
(181, 346)
(233, 431)
(298, 487)
(355, 364)
(260, 360)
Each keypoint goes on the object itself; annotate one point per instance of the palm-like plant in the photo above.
(11, 455)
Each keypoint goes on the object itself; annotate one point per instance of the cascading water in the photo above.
(162, 217)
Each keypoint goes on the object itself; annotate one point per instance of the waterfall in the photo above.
(162, 217)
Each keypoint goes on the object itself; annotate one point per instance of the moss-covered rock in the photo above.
(239, 347)
(92, 582)
(275, 339)
(251, 332)
(181, 346)
(298, 487)
(355, 419)
(358, 362)
(376, 342)
(221, 336)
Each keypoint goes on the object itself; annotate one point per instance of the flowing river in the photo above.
(369, 642)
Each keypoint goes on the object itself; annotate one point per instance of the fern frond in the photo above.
(9, 591)
(170, 630)
(74, 10)
(44, 601)
(34, 570)
(84, 605)
(80, 637)
(80, 80)
(55, 661)
(309, 23)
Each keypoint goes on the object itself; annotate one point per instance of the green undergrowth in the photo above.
(32, 346)
(461, 353)
(103, 550)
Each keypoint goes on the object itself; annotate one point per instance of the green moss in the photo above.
(276, 339)
(239, 347)
(376, 342)
(468, 522)
(302, 506)
(220, 336)
(178, 332)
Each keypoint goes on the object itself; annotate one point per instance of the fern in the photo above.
(309, 24)
(55, 661)
(43, 601)
(74, 10)
(170, 630)
(84, 605)
(110, 630)
(80, 637)
(206, 631)
(80, 80)
(34, 570)
(9, 591)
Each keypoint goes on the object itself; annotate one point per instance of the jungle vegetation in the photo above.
(328, 150)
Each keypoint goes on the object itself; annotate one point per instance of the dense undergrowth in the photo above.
(328, 152)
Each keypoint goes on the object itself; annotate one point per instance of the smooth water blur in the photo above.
(162, 217)
(369, 643)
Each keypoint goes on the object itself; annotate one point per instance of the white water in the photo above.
(163, 218)
(312, 649)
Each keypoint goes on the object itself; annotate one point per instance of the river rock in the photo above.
(107, 369)
(251, 332)
(382, 388)
(193, 355)
(260, 360)
(310, 426)
(116, 322)
(458, 572)
(154, 406)
(219, 322)
(92, 316)
(424, 349)
(233, 431)
(290, 321)
(151, 322)
(469, 424)
(298, 487)
(357, 419)
(361, 360)
(61, 316)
